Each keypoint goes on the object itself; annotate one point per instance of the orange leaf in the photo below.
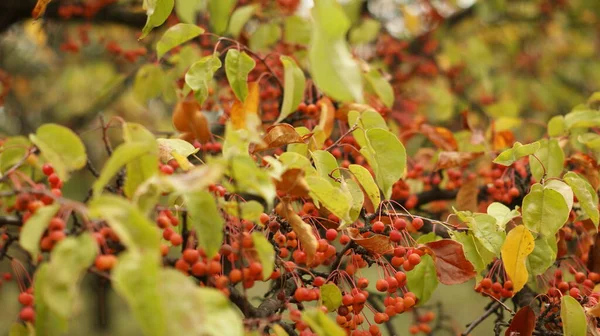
(240, 112)
(40, 8)
(277, 136)
(303, 231)
(293, 183)
(466, 199)
(189, 119)
(342, 112)
(377, 244)
(455, 159)
(327, 116)
(503, 139)
(523, 323)
(440, 136)
(450, 262)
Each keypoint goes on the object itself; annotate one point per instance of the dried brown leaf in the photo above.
(293, 183)
(466, 199)
(448, 159)
(450, 262)
(327, 116)
(377, 244)
(303, 230)
(277, 136)
(440, 136)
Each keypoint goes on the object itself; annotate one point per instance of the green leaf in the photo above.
(61, 147)
(563, 189)
(265, 36)
(12, 151)
(251, 179)
(422, 280)
(237, 67)
(582, 118)
(148, 82)
(68, 263)
(47, 322)
(177, 149)
(136, 279)
(239, 18)
(365, 121)
(295, 160)
(367, 183)
(556, 126)
(326, 164)
(122, 155)
(518, 150)
(543, 255)
(141, 168)
(176, 35)
(187, 9)
(357, 196)
(333, 68)
(573, 317)
(502, 213)
(332, 197)
(294, 84)
(251, 210)
(158, 11)
(321, 324)
(387, 156)
(586, 195)
(18, 329)
(220, 317)
(134, 230)
(551, 156)
(380, 86)
(487, 232)
(331, 296)
(200, 75)
(366, 32)
(265, 252)
(296, 30)
(478, 255)
(220, 11)
(427, 238)
(206, 220)
(34, 228)
(545, 210)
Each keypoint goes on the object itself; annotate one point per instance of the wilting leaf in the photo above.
(466, 199)
(331, 296)
(573, 317)
(422, 280)
(455, 159)
(292, 182)
(518, 245)
(237, 67)
(451, 265)
(303, 231)
(39, 9)
(377, 244)
(523, 323)
(294, 85)
(277, 136)
(441, 137)
(176, 35)
(265, 252)
(188, 118)
(518, 150)
(241, 112)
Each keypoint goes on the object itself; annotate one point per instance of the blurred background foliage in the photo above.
(516, 63)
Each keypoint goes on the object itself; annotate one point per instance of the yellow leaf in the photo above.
(518, 245)
(240, 112)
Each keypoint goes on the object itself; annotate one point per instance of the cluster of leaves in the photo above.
(312, 181)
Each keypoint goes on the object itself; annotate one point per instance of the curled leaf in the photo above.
(292, 182)
(451, 264)
(448, 159)
(277, 136)
(377, 244)
(303, 230)
(523, 323)
(327, 116)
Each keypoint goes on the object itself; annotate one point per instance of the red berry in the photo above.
(331, 234)
(47, 169)
(53, 179)
(167, 169)
(264, 218)
(382, 285)
(26, 299)
(105, 262)
(395, 236)
(378, 227)
(486, 283)
(27, 314)
(176, 239)
(400, 224)
(191, 256)
(414, 259)
(417, 223)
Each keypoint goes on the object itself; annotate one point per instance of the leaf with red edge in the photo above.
(523, 323)
(277, 136)
(292, 182)
(448, 159)
(441, 137)
(377, 244)
(450, 261)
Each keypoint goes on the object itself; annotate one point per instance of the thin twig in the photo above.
(481, 318)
